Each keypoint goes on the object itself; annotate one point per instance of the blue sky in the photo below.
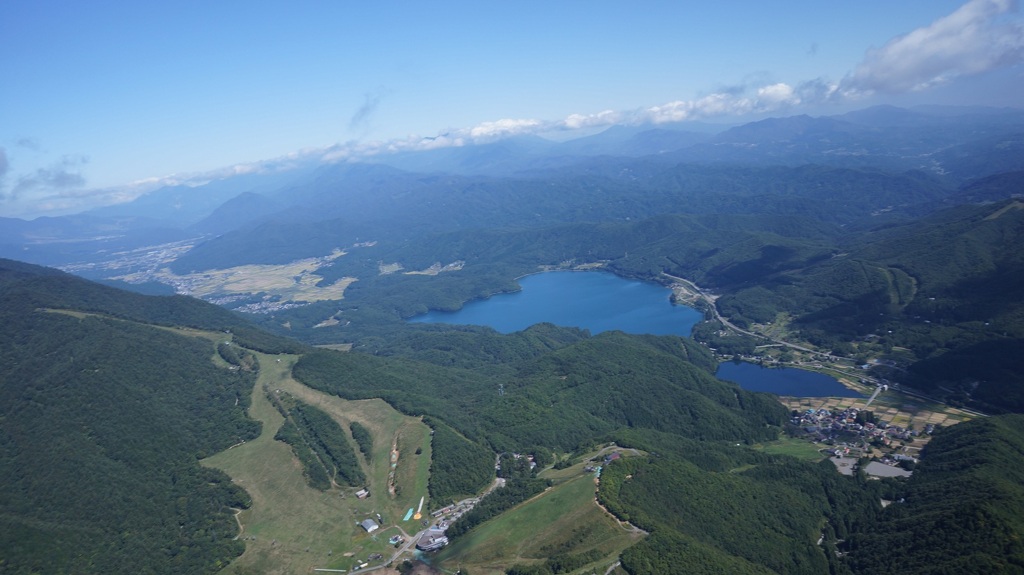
(102, 100)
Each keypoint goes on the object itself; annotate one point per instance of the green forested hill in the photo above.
(716, 509)
(962, 510)
(104, 419)
(102, 423)
(710, 501)
(565, 398)
(41, 287)
(946, 287)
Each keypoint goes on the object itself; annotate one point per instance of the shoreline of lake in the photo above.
(592, 299)
(783, 381)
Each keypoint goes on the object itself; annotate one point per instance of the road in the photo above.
(854, 373)
(410, 540)
(710, 301)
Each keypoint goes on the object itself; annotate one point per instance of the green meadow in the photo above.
(564, 519)
(290, 527)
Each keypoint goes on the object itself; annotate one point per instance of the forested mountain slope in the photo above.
(714, 508)
(960, 512)
(946, 287)
(104, 417)
(565, 398)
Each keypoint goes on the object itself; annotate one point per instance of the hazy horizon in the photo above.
(103, 103)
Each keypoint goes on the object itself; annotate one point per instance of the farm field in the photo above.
(563, 519)
(892, 406)
(292, 528)
(295, 281)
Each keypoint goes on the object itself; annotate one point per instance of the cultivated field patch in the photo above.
(296, 281)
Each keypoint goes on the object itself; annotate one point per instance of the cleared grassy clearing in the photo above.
(563, 519)
(214, 336)
(799, 448)
(336, 346)
(291, 528)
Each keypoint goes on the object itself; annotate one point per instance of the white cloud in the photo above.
(760, 100)
(605, 118)
(778, 93)
(975, 38)
(505, 127)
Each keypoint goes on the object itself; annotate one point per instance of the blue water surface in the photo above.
(783, 381)
(597, 301)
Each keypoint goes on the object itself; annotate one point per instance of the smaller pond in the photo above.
(783, 380)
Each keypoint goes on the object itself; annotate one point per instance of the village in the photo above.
(852, 434)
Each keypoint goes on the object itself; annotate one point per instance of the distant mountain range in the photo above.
(954, 145)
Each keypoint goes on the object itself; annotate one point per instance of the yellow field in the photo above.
(295, 281)
(892, 407)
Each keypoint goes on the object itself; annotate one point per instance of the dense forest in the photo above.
(459, 467)
(103, 423)
(564, 398)
(714, 508)
(363, 439)
(962, 510)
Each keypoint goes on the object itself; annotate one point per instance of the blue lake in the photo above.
(597, 301)
(600, 301)
(783, 381)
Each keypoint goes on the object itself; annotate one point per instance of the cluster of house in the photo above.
(435, 538)
(825, 425)
(432, 540)
(597, 468)
(529, 457)
(452, 512)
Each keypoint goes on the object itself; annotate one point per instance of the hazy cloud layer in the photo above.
(980, 36)
(976, 38)
(61, 176)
